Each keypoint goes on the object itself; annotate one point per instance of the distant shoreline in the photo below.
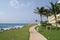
(8, 28)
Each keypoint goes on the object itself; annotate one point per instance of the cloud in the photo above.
(25, 4)
(58, 1)
(14, 3)
(19, 3)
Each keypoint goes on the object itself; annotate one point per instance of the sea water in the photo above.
(8, 26)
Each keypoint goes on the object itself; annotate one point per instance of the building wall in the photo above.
(51, 19)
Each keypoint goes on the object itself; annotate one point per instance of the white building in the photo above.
(51, 19)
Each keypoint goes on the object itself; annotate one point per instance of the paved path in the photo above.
(34, 35)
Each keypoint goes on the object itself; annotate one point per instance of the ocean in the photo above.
(6, 26)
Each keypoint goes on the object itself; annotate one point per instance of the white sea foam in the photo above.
(16, 27)
(6, 28)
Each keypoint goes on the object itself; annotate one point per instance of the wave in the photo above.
(15, 27)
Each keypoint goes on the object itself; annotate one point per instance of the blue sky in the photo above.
(20, 11)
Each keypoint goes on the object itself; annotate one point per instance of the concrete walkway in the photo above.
(34, 35)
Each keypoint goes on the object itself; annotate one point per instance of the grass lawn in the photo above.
(52, 34)
(16, 34)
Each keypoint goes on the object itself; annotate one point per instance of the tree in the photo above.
(47, 13)
(40, 12)
(54, 9)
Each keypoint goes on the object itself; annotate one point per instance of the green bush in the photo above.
(46, 24)
(49, 24)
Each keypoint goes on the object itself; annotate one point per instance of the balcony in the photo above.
(51, 19)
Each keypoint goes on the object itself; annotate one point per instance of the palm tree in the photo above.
(54, 10)
(47, 13)
(40, 12)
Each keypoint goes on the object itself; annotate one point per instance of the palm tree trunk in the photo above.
(56, 20)
(41, 19)
(47, 18)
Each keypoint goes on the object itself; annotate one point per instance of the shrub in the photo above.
(46, 24)
(49, 24)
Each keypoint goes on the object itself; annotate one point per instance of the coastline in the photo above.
(15, 27)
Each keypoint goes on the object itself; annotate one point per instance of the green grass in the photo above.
(16, 34)
(52, 34)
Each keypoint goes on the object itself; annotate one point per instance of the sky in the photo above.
(21, 11)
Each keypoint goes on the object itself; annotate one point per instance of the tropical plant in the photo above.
(47, 13)
(40, 12)
(54, 9)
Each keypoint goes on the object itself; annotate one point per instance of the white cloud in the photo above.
(22, 4)
(58, 1)
(25, 4)
(14, 3)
